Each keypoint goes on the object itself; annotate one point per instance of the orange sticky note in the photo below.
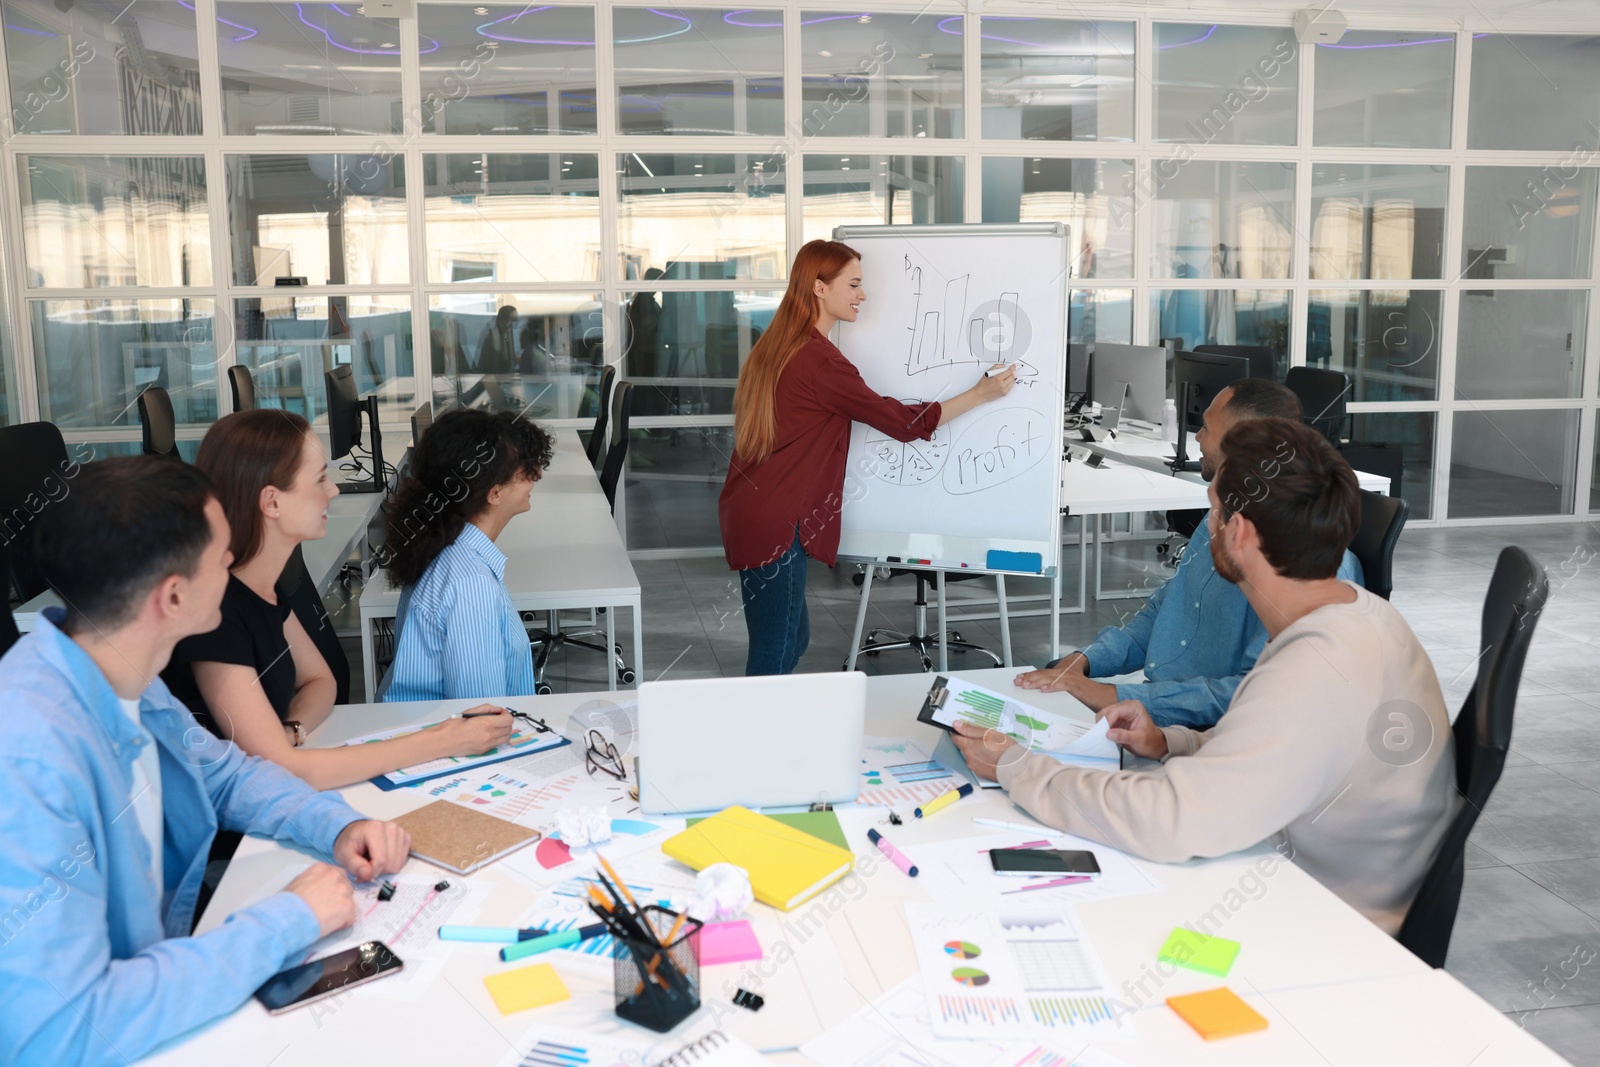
(1217, 1013)
(526, 987)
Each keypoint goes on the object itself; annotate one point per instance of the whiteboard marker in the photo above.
(1002, 370)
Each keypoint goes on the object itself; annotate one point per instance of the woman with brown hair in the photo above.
(796, 399)
(258, 679)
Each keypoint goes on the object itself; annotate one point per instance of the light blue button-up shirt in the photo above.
(459, 635)
(1194, 640)
(96, 965)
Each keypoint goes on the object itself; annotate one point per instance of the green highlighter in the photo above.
(1199, 952)
(535, 945)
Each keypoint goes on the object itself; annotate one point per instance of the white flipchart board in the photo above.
(943, 304)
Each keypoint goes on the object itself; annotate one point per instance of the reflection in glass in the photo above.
(1225, 220)
(337, 219)
(542, 351)
(1386, 340)
(1519, 344)
(1226, 84)
(93, 359)
(1412, 432)
(697, 71)
(1092, 196)
(1095, 315)
(1505, 463)
(1057, 79)
(1594, 483)
(683, 350)
(881, 75)
(673, 476)
(879, 191)
(103, 69)
(530, 217)
(701, 215)
(310, 69)
(1385, 89)
(1223, 317)
(507, 69)
(1528, 222)
(290, 342)
(1377, 221)
(1531, 91)
(95, 221)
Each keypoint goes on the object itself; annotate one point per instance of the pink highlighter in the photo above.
(896, 857)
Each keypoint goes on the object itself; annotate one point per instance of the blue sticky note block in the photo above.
(1027, 562)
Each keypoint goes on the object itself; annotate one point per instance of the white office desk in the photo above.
(1335, 989)
(1152, 452)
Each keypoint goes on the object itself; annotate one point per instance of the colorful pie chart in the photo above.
(963, 950)
(969, 976)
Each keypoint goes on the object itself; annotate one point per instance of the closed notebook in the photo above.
(455, 837)
(819, 824)
(787, 866)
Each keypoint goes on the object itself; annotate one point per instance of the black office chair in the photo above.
(35, 468)
(1382, 519)
(1322, 395)
(597, 437)
(243, 386)
(8, 622)
(918, 639)
(295, 588)
(617, 451)
(1482, 731)
(158, 422)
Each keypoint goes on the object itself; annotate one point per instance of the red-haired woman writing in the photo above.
(796, 399)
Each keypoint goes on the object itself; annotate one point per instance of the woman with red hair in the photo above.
(796, 399)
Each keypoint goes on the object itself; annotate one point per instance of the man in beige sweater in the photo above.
(1336, 748)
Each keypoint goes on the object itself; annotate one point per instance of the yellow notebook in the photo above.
(787, 866)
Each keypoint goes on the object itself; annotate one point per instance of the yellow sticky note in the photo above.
(526, 987)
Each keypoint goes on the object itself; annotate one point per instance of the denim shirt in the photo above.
(1194, 640)
(96, 965)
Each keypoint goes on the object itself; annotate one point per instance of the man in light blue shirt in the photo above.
(114, 793)
(1196, 637)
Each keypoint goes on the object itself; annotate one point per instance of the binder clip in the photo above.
(745, 999)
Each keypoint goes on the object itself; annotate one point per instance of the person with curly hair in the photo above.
(457, 633)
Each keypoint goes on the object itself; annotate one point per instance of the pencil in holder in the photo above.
(658, 986)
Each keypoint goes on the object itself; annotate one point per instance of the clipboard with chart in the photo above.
(524, 741)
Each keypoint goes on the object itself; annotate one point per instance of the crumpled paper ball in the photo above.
(721, 891)
(582, 827)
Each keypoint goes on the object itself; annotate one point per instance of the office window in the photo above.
(335, 219)
(1378, 221)
(880, 74)
(701, 215)
(1224, 220)
(528, 217)
(310, 69)
(1223, 317)
(543, 350)
(506, 69)
(290, 342)
(1386, 340)
(92, 359)
(95, 221)
(1532, 91)
(1521, 344)
(1385, 89)
(1057, 79)
(1225, 84)
(1528, 222)
(1594, 483)
(879, 191)
(673, 478)
(694, 71)
(683, 350)
(1412, 434)
(1092, 196)
(1506, 463)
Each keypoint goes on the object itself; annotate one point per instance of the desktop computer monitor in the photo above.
(345, 410)
(1197, 379)
(1263, 364)
(1143, 367)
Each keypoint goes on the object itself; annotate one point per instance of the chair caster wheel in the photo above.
(627, 676)
(543, 689)
(955, 635)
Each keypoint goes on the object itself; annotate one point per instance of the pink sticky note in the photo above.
(729, 942)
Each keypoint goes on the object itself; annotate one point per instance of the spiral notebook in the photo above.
(555, 1046)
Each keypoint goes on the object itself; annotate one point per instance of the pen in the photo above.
(488, 933)
(535, 945)
(1015, 827)
(479, 714)
(948, 797)
(896, 857)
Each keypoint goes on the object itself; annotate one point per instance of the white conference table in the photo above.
(566, 552)
(1334, 988)
(1147, 449)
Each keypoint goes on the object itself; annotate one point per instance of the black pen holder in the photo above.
(659, 987)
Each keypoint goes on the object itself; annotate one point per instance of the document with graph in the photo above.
(953, 700)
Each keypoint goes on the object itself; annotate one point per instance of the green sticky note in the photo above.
(1198, 952)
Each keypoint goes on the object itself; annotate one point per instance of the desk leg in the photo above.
(1005, 619)
(367, 658)
(638, 641)
(611, 647)
(1055, 615)
(1099, 542)
(861, 619)
(1083, 561)
(944, 633)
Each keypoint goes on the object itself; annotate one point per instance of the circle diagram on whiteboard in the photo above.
(907, 462)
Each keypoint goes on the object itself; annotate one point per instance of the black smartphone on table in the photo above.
(1043, 862)
(311, 982)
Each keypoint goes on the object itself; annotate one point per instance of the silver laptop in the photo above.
(772, 742)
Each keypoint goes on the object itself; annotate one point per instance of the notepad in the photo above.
(1217, 1013)
(1199, 952)
(526, 987)
(786, 866)
(729, 942)
(459, 839)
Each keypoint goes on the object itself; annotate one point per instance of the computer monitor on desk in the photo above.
(1143, 367)
(1263, 363)
(345, 410)
(1197, 378)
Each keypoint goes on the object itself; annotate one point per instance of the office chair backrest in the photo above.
(36, 469)
(295, 588)
(1482, 733)
(159, 423)
(243, 385)
(1382, 519)
(597, 439)
(8, 622)
(1322, 394)
(617, 453)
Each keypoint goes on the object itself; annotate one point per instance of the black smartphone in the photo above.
(1036, 862)
(310, 982)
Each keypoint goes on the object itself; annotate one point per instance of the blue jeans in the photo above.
(775, 612)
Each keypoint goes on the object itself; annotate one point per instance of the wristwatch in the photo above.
(299, 731)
